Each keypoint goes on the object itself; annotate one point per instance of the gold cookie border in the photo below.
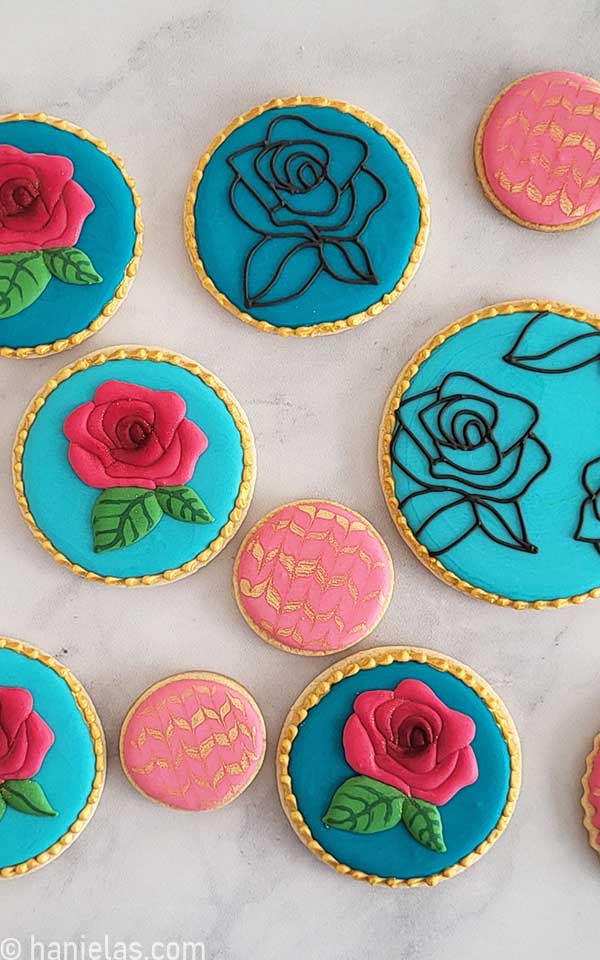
(329, 327)
(109, 308)
(157, 355)
(385, 461)
(208, 675)
(367, 660)
(94, 725)
(589, 810)
(263, 633)
(482, 175)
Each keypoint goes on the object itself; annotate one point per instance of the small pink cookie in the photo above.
(313, 577)
(194, 741)
(537, 151)
(591, 795)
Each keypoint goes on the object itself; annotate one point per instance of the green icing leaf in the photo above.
(122, 516)
(2, 806)
(26, 796)
(71, 265)
(23, 278)
(363, 805)
(183, 503)
(423, 822)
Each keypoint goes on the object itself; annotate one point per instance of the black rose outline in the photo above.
(305, 198)
(475, 453)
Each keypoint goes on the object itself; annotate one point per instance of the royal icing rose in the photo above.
(41, 205)
(137, 446)
(25, 738)
(133, 436)
(408, 738)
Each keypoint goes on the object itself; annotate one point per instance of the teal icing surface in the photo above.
(68, 771)
(62, 504)
(318, 768)
(569, 425)
(108, 237)
(224, 241)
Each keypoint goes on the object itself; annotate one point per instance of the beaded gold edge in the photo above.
(367, 660)
(485, 184)
(44, 349)
(336, 326)
(157, 355)
(385, 461)
(588, 808)
(208, 675)
(266, 636)
(94, 726)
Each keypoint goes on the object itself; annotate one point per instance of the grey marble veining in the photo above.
(158, 80)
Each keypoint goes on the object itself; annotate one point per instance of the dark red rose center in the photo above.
(415, 734)
(133, 432)
(17, 195)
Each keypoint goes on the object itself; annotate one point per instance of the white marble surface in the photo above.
(157, 80)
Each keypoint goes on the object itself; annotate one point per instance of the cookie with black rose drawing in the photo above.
(306, 216)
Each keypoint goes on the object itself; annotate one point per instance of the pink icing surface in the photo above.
(541, 148)
(314, 577)
(194, 742)
(594, 796)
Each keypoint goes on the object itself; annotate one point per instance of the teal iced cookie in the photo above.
(306, 216)
(490, 454)
(70, 234)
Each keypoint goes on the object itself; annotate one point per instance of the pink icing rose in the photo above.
(131, 436)
(41, 206)
(24, 737)
(409, 739)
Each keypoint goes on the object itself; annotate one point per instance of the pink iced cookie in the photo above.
(194, 741)
(537, 151)
(591, 795)
(313, 577)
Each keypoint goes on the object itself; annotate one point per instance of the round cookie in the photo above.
(537, 151)
(70, 234)
(134, 466)
(489, 454)
(590, 800)
(398, 766)
(194, 741)
(313, 577)
(52, 758)
(306, 216)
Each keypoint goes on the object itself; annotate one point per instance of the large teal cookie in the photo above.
(490, 454)
(138, 468)
(70, 234)
(306, 216)
(398, 766)
(52, 758)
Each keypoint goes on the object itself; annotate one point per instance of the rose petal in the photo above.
(193, 443)
(68, 217)
(464, 773)
(76, 430)
(40, 738)
(360, 755)
(16, 705)
(15, 757)
(92, 471)
(148, 453)
(365, 706)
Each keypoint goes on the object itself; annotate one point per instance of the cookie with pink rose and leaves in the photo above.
(70, 234)
(52, 758)
(134, 466)
(399, 766)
